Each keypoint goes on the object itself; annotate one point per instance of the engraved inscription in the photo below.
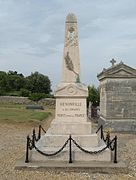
(70, 110)
(70, 104)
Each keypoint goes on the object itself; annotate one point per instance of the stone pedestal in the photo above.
(71, 102)
(70, 119)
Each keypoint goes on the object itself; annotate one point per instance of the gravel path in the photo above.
(12, 147)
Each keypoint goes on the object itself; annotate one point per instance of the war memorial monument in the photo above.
(70, 140)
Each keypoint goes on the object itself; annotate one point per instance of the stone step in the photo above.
(71, 120)
(78, 166)
(70, 128)
(49, 140)
(77, 155)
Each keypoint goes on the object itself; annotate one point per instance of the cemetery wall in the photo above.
(24, 100)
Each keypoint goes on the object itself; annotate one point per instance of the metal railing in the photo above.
(110, 144)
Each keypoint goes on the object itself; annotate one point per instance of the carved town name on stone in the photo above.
(70, 109)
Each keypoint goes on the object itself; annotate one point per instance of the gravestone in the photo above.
(71, 110)
(118, 97)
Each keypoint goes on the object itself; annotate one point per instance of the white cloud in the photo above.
(32, 35)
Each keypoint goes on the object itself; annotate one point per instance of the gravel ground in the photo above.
(12, 147)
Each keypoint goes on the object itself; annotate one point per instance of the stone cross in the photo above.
(71, 62)
(113, 61)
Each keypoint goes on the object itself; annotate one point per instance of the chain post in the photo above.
(115, 150)
(33, 138)
(27, 150)
(102, 132)
(70, 149)
(108, 138)
(39, 133)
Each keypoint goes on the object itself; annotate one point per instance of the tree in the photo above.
(15, 73)
(94, 95)
(16, 81)
(13, 83)
(4, 86)
(38, 83)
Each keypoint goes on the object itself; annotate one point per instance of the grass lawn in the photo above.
(18, 113)
(18, 106)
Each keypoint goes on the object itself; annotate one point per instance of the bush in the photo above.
(49, 96)
(37, 96)
(2, 92)
(14, 93)
(24, 92)
(94, 95)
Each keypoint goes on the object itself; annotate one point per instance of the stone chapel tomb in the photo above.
(118, 97)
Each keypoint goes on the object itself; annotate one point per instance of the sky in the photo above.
(32, 35)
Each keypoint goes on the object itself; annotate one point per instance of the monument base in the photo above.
(77, 155)
(118, 125)
(66, 128)
(85, 167)
(59, 133)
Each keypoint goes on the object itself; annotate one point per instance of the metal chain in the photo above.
(105, 140)
(55, 153)
(86, 151)
(43, 130)
(98, 129)
(112, 145)
(35, 138)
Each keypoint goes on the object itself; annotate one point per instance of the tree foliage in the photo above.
(38, 83)
(4, 87)
(39, 96)
(94, 95)
(14, 83)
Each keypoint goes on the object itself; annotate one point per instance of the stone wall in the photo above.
(24, 100)
(118, 104)
(103, 99)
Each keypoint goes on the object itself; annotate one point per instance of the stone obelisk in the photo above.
(71, 61)
(71, 93)
(71, 109)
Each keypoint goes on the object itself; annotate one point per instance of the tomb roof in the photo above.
(119, 70)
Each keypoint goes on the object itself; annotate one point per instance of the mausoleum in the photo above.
(118, 97)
